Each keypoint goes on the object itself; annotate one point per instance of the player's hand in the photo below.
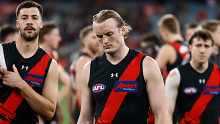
(2, 72)
(13, 79)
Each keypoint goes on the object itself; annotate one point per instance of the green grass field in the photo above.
(64, 108)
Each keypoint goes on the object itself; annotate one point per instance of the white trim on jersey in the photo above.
(2, 57)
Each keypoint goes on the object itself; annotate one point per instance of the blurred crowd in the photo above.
(73, 15)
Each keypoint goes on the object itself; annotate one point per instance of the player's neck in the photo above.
(174, 37)
(199, 67)
(89, 52)
(118, 56)
(25, 48)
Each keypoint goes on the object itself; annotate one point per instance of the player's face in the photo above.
(216, 36)
(110, 37)
(201, 50)
(54, 38)
(92, 43)
(29, 23)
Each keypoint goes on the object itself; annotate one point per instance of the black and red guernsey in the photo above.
(14, 109)
(198, 97)
(181, 51)
(119, 91)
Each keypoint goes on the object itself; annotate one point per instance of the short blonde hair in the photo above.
(170, 23)
(211, 25)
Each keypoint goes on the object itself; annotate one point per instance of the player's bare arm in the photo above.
(79, 66)
(64, 78)
(87, 109)
(165, 55)
(171, 89)
(155, 90)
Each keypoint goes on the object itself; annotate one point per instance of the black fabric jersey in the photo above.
(181, 51)
(33, 70)
(84, 54)
(103, 79)
(193, 86)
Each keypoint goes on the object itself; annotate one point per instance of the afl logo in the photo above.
(190, 90)
(98, 88)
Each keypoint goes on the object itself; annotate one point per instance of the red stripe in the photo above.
(52, 55)
(116, 98)
(15, 98)
(203, 100)
(177, 46)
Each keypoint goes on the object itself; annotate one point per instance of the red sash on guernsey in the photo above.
(177, 46)
(198, 108)
(116, 98)
(52, 55)
(7, 110)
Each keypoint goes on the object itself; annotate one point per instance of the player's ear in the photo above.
(17, 24)
(83, 42)
(190, 48)
(124, 30)
(41, 24)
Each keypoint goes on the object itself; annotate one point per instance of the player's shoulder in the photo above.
(83, 59)
(149, 62)
(167, 50)
(174, 72)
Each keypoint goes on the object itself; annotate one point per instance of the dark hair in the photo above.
(151, 38)
(204, 34)
(107, 14)
(29, 4)
(7, 30)
(85, 31)
(47, 28)
(211, 25)
(191, 25)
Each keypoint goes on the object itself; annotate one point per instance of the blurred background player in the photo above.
(194, 87)
(90, 49)
(214, 27)
(150, 44)
(174, 51)
(49, 39)
(8, 33)
(190, 29)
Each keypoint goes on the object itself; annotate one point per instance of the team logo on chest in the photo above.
(126, 86)
(33, 79)
(190, 90)
(98, 88)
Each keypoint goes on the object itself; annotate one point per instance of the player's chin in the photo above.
(109, 51)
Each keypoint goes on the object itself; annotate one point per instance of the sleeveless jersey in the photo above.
(198, 97)
(181, 51)
(119, 91)
(13, 107)
(72, 70)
